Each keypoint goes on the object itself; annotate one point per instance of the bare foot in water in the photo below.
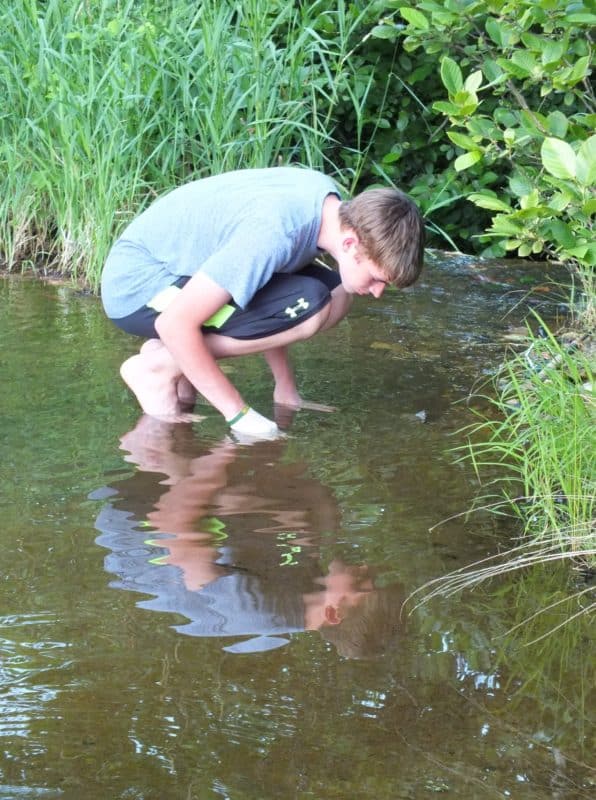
(187, 394)
(157, 383)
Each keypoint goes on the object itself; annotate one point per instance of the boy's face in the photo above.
(359, 274)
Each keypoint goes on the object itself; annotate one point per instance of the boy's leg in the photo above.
(153, 376)
(337, 306)
(163, 391)
(161, 388)
(275, 347)
(186, 392)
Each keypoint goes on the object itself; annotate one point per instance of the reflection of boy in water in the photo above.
(239, 554)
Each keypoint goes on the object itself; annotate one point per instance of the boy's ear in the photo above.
(349, 239)
(332, 616)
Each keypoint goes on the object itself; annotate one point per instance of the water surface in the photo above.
(183, 616)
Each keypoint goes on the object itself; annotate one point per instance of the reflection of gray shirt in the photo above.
(239, 228)
(233, 605)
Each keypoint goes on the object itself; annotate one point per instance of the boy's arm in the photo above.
(179, 328)
(286, 392)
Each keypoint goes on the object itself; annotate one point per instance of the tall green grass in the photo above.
(539, 441)
(107, 104)
(543, 441)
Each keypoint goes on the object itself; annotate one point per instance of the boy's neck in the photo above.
(330, 232)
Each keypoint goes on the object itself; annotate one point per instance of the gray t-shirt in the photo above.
(239, 228)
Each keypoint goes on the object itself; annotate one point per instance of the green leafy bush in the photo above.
(517, 124)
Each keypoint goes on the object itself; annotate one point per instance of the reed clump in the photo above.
(107, 104)
(539, 441)
(544, 437)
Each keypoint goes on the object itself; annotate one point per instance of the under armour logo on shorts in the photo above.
(301, 305)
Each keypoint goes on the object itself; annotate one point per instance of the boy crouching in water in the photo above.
(222, 267)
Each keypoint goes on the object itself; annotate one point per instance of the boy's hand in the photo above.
(297, 403)
(251, 423)
(309, 406)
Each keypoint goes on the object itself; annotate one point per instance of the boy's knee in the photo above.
(295, 301)
(318, 321)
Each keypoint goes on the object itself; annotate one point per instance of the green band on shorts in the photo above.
(220, 317)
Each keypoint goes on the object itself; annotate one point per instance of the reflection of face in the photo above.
(343, 587)
(347, 580)
(359, 274)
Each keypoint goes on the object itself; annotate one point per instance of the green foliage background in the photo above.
(107, 104)
(504, 90)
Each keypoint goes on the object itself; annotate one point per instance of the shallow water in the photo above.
(182, 616)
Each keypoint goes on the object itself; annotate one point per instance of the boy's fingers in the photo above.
(309, 406)
(182, 416)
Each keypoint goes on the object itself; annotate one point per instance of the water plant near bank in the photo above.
(538, 441)
(545, 436)
(503, 93)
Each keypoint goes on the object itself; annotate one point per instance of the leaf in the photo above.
(451, 75)
(384, 32)
(557, 123)
(558, 158)
(552, 52)
(473, 81)
(531, 200)
(520, 185)
(415, 18)
(524, 60)
(506, 226)
(494, 31)
(489, 202)
(559, 202)
(509, 66)
(568, 188)
(562, 233)
(581, 18)
(579, 251)
(466, 101)
(450, 109)
(580, 69)
(463, 141)
(114, 26)
(482, 126)
(467, 160)
(493, 71)
(396, 348)
(586, 162)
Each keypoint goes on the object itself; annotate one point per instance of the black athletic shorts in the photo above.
(285, 301)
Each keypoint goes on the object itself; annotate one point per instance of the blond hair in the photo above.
(390, 230)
